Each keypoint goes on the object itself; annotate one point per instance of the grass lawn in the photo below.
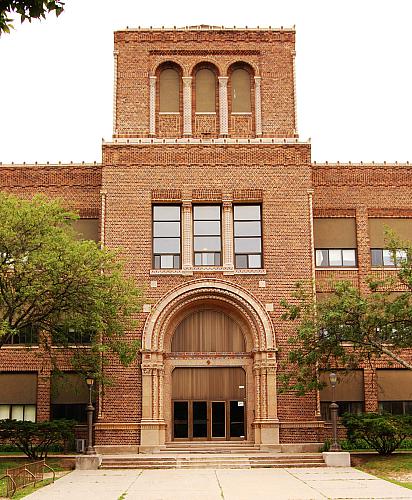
(396, 468)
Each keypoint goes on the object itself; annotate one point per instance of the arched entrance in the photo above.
(209, 402)
(209, 367)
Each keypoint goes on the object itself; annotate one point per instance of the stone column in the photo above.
(187, 105)
(258, 106)
(152, 103)
(266, 423)
(227, 235)
(152, 425)
(187, 235)
(223, 106)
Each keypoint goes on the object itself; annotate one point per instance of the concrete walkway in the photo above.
(227, 484)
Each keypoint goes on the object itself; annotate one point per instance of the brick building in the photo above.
(219, 210)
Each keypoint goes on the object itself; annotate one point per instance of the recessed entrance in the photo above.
(209, 403)
(218, 420)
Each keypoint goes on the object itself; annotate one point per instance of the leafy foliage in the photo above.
(350, 328)
(50, 279)
(383, 432)
(27, 10)
(35, 438)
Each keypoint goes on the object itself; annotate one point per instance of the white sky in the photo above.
(353, 73)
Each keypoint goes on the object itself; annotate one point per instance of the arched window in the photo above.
(169, 91)
(205, 91)
(240, 83)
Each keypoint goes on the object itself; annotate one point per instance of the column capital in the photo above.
(227, 204)
(187, 204)
(223, 79)
(152, 78)
(257, 78)
(187, 79)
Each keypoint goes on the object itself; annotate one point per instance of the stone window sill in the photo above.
(206, 269)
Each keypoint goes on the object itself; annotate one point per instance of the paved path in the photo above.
(221, 484)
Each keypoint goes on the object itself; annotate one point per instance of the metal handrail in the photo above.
(51, 468)
(12, 482)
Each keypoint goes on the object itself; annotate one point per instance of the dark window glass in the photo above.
(199, 410)
(335, 257)
(181, 419)
(237, 419)
(29, 335)
(248, 236)
(71, 336)
(207, 238)
(218, 419)
(396, 407)
(355, 407)
(72, 411)
(166, 236)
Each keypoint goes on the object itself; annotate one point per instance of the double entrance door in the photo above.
(209, 420)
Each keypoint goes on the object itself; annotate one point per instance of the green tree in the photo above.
(350, 328)
(61, 286)
(27, 10)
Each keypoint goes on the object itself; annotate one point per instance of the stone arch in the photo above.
(160, 321)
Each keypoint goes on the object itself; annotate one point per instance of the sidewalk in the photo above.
(221, 484)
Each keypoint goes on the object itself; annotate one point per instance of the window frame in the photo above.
(325, 408)
(15, 340)
(154, 255)
(247, 237)
(10, 405)
(220, 252)
(354, 266)
(381, 252)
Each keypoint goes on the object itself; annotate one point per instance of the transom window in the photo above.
(335, 257)
(248, 236)
(383, 257)
(207, 235)
(166, 236)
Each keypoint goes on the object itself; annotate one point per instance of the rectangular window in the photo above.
(381, 257)
(69, 411)
(396, 407)
(25, 336)
(335, 257)
(354, 407)
(248, 236)
(166, 236)
(207, 235)
(18, 412)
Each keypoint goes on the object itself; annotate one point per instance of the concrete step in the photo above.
(213, 461)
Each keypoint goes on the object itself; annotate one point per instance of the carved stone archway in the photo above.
(158, 363)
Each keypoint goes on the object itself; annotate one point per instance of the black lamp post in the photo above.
(335, 446)
(90, 410)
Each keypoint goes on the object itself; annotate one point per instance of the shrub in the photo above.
(381, 431)
(36, 438)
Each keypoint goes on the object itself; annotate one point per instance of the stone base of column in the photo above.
(267, 433)
(336, 458)
(152, 435)
(88, 462)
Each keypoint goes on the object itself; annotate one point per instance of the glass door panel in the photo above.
(181, 419)
(237, 419)
(199, 419)
(218, 419)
